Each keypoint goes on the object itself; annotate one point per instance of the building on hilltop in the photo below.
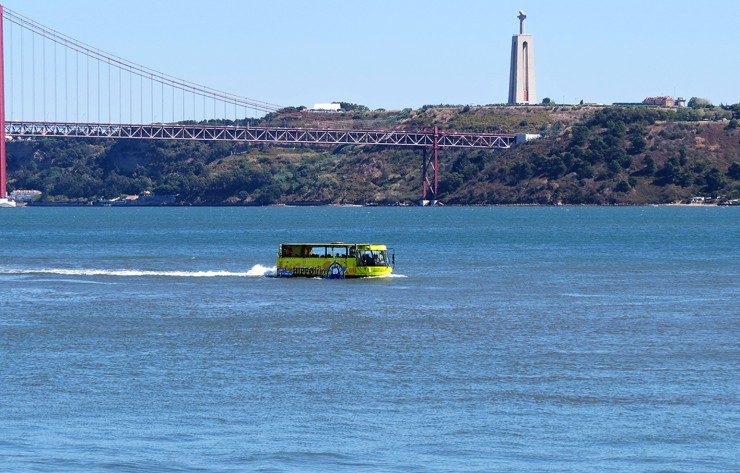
(665, 101)
(522, 87)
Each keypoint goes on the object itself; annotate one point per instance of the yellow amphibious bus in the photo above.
(333, 260)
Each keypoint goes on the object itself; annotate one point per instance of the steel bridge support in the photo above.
(430, 164)
(3, 174)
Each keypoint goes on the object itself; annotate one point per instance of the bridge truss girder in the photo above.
(275, 135)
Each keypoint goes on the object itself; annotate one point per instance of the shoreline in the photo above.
(733, 203)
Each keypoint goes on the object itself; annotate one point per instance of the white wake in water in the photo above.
(257, 271)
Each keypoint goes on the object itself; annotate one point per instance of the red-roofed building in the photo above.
(665, 101)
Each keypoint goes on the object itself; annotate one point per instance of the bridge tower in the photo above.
(431, 162)
(4, 202)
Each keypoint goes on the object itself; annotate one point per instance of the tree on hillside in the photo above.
(623, 186)
(650, 166)
(580, 134)
(735, 109)
(638, 144)
(352, 107)
(698, 102)
(734, 171)
(715, 180)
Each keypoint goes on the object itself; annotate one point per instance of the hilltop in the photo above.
(587, 155)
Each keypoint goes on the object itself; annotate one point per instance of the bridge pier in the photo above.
(3, 174)
(430, 185)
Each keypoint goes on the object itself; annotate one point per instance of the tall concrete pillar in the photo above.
(522, 87)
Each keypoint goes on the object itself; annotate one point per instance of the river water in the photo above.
(568, 339)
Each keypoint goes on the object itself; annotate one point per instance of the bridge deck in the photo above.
(275, 135)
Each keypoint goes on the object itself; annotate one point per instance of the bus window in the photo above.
(321, 251)
(365, 258)
(340, 252)
(380, 258)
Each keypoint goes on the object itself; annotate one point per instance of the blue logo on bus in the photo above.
(335, 271)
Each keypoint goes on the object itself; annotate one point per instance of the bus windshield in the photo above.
(372, 258)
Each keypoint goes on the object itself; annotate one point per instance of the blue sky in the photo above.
(408, 53)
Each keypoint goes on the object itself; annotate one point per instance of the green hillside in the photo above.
(587, 155)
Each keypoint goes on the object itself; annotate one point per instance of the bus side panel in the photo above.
(314, 267)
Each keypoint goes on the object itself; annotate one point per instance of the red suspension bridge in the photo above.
(52, 85)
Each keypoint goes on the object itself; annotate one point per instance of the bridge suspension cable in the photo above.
(56, 86)
(52, 77)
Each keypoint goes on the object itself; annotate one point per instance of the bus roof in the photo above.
(334, 243)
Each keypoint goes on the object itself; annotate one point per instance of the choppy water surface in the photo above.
(511, 339)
